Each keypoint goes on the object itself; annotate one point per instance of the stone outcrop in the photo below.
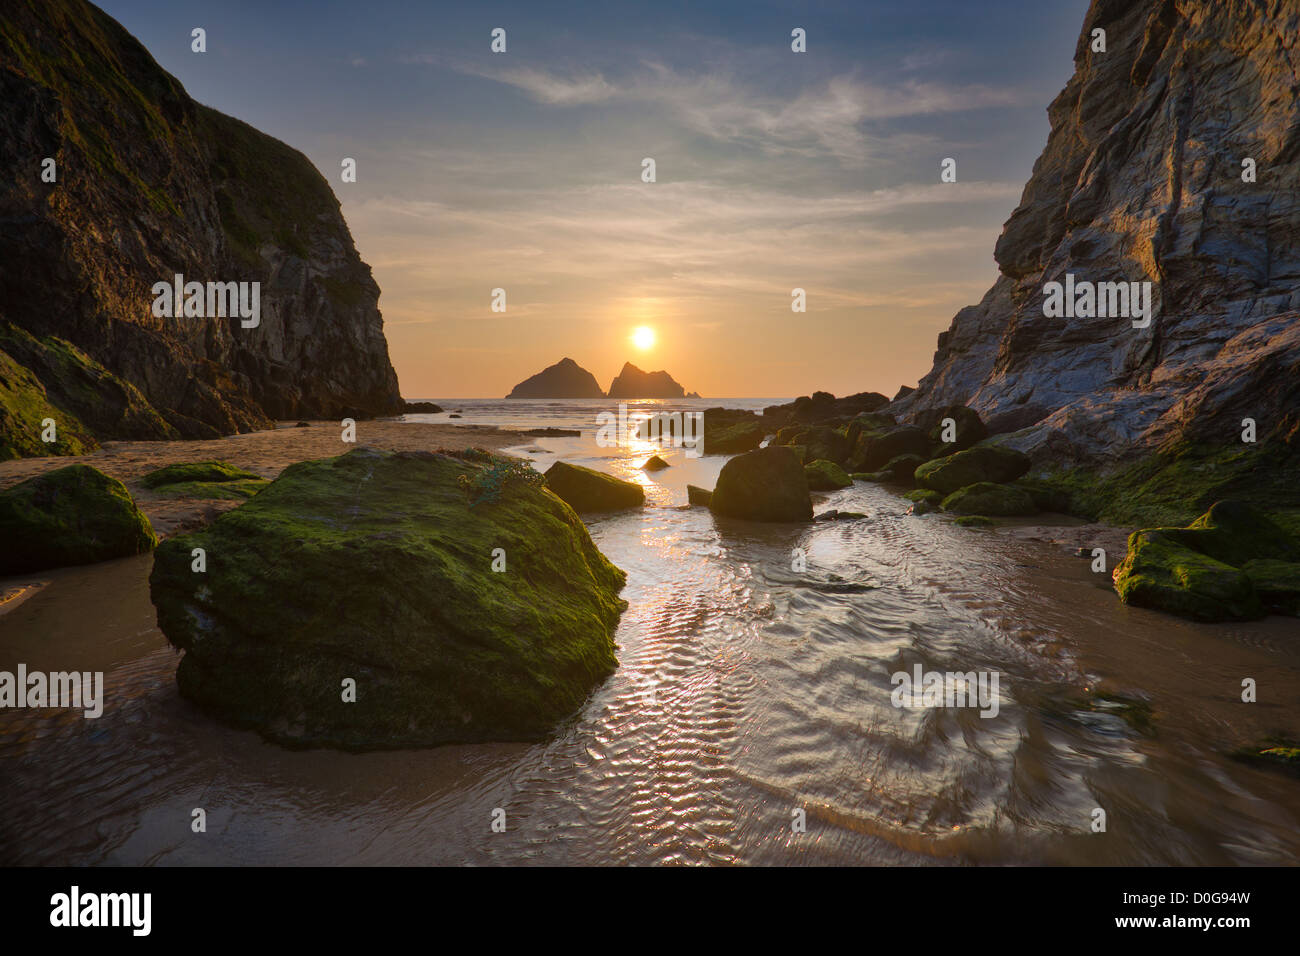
(565, 379)
(767, 484)
(1142, 181)
(378, 568)
(585, 489)
(634, 383)
(150, 184)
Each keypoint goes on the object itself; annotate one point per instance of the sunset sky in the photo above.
(775, 170)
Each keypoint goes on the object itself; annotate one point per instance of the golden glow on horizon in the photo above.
(643, 337)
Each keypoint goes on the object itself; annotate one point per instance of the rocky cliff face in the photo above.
(1142, 180)
(151, 184)
(565, 379)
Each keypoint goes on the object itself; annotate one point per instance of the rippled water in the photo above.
(745, 691)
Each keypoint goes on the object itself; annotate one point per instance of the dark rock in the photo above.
(196, 471)
(303, 425)
(968, 427)
(298, 577)
(988, 498)
(586, 489)
(874, 449)
(565, 379)
(72, 515)
(421, 408)
(153, 184)
(902, 469)
(698, 496)
(551, 432)
(766, 484)
(825, 475)
(655, 463)
(821, 441)
(981, 463)
(634, 383)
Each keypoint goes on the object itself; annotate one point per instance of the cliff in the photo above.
(1142, 181)
(565, 379)
(151, 184)
(634, 383)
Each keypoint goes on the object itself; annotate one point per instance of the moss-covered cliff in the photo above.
(151, 184)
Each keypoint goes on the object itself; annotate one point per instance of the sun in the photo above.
(643, 337)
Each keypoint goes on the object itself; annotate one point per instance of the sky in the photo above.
(774, 170)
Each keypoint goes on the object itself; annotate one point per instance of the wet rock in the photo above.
(767, 484)
(196, 471)
(1160, 571)
(698, 496)
(873, 450)
(988, 498)
(72, 515)
(655, 463)
(1277, 583)
(820, 442)
(825, 475)
(421, 408)
(981, 463)
(298, 577)
(902, 469)
(586, 489)
(968, 429)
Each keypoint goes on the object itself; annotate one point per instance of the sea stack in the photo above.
(565, 379)
(632, 382)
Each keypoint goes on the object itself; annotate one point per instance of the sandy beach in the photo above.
(265, 453)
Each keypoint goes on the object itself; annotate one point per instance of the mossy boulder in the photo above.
(973, 521)
(24, 407)
(988, 498)
(928, 495)
(730, 437)
(821, 442)
(1047, 497)
(1277, 583)
(238, 490)
(901, 469)
(374, 567)
(767, 484)
(196, 471)
(871, 422)
(586, 489)
(1161, 571)
(873, 450)
(972, 466)
(73, 515)
(825, 475)
(1232, 563)
(655, 463)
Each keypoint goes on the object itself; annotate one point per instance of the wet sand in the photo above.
(265, 453)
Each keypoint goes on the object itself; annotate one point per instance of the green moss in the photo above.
(1161, 571)
(974, 521)
(1173, 486)
(825, 475)
(1277, 583)
(221, 490)
(196, 471)
(104, 403)
(928, 495)
(983, 463)
(73, 515)
(989, 498)
(24, 406)
(1275, 753)
(370, 566)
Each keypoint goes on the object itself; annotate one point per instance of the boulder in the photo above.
(872, 449)
(196, 471)
(373, 567)
(731, 438)
(821, 441)
(968, 430)
(825, 475)
(655, 463)
(901, 469)
(767, 484)
(421, 408)
(586, 489)
(1047, 497)
(981, 463)
(698, 496)
(1234, 532)
(987, 498)
(1277, 583)
(1160, 571)
(72, 515)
